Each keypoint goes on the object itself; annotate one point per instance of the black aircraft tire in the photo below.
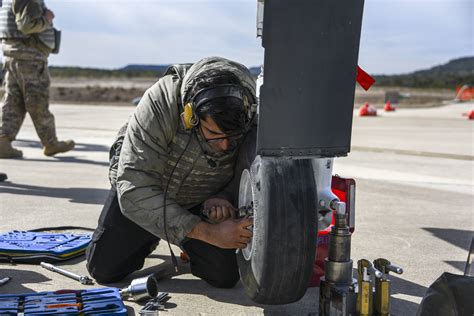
(276, 266)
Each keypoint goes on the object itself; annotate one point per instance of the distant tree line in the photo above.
(452, 74)
(130, 71)
(63, 72)
(415, 80)
(445, 81)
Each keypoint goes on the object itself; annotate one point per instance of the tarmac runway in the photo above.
(414, 170)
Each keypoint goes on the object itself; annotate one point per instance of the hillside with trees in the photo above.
(447, 76)
(455, 73)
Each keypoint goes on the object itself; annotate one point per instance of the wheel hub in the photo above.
(246, 198)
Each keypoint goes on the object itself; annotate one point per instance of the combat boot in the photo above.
(7, 150)
(58, 147)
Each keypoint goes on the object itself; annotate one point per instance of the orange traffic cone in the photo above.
(388, 107)
(470, 115)
(367, 110)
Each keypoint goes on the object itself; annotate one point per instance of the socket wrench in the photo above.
(141, 288)
(81, 278)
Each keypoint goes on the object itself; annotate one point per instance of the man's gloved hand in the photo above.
(219, 210)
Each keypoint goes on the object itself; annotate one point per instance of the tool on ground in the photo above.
(385, 266)
(81, 278)
(366, 273)
(364, 297)
(371, 270)
(382, 286)
(153, 306)
(98, 301)
(337, 287)
(240, 212)
(5, 280)
(141, 288)
(341, 294)
(55, 306)
(35, 246)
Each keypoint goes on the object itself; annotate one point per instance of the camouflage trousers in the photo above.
(26, 85)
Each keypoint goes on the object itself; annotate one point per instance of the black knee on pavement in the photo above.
(216, 266)
(102, 273)
(118, 246)
(103, 278)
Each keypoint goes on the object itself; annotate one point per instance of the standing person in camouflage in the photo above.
(27, 40)
(186, 143)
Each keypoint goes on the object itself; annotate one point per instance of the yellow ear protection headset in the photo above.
(189, 116)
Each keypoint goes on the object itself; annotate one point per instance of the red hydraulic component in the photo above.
(388, 107)
(344, 189)
(367, 110)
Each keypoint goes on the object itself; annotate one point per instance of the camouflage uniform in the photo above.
(27, 78)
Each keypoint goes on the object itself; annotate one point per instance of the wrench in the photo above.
(81, 278)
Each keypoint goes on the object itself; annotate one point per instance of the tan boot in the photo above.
(59, 147)
(7, 150)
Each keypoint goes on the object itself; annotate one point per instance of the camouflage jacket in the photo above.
(158, 153)
(30, 21)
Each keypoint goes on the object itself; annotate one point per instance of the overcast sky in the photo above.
(398, 36)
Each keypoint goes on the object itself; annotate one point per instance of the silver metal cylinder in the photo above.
(339, 273)
(142, 288)
(340, 241)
